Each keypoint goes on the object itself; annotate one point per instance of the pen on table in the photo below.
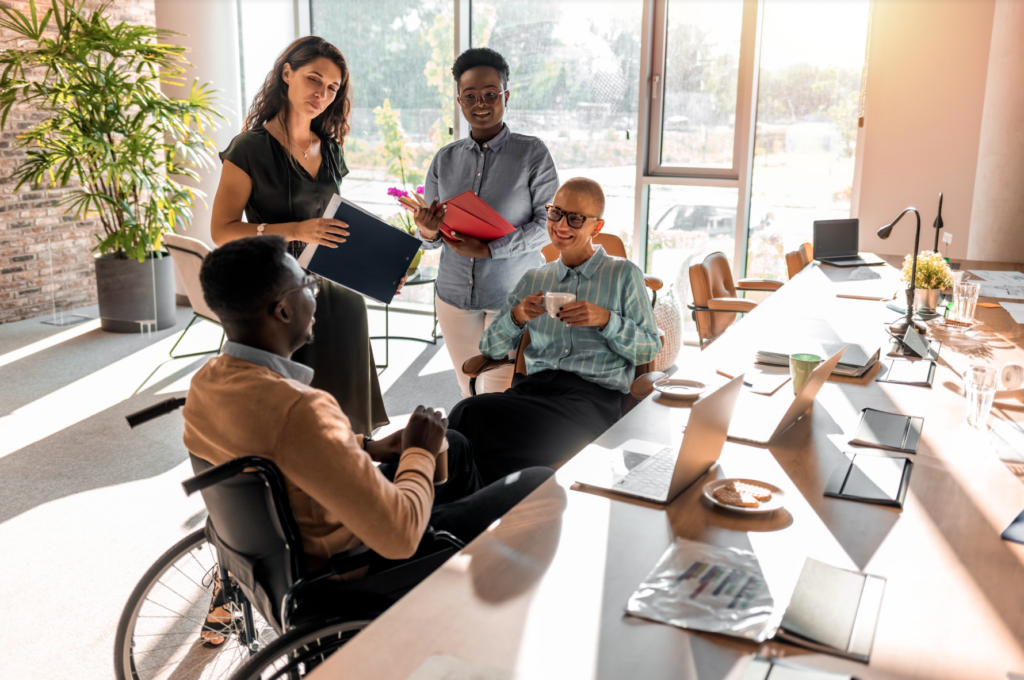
(730, 377)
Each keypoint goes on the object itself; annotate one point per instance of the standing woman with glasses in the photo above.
(512, 173)
(282, 171)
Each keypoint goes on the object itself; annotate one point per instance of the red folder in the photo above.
(468, 214)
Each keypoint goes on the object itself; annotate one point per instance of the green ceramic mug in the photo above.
(800, 368)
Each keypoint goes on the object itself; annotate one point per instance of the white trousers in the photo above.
(462, 330)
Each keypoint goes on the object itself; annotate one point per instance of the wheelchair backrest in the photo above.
(252, 527)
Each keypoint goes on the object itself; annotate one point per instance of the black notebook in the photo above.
(372, 260)
(761, 668)
(890, 431)
(903, 372)
(834, 611)
(871, 478)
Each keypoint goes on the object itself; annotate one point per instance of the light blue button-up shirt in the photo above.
(607, 357)
(516, 176)
(275, 362)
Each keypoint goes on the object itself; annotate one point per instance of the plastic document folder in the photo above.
(468, 214)
(371, 262)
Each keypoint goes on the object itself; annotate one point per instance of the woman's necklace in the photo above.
(305, 154)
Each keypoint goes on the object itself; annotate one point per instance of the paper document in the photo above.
(1016, 310)
(1000, 284)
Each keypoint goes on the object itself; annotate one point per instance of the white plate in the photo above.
(678, 388)
(774, 503)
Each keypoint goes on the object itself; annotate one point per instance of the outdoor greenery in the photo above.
(109, 131)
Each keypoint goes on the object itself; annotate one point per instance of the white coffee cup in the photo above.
(554, 301)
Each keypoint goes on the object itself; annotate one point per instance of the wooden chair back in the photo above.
(611, 243)
(797, 259)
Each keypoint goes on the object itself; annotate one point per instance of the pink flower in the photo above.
(396, 192)
(419, 190)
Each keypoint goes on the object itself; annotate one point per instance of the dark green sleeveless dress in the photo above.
(282, 191)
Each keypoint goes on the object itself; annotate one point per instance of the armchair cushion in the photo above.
(731, 304)
(758, 284)
(474, 366)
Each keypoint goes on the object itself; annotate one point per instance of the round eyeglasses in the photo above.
(573, 219)
(490, 97)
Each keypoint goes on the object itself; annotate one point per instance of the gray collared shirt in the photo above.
(516, 176)
(275, 362)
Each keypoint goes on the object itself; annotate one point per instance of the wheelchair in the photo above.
(285, 618)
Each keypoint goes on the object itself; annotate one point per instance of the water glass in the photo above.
(980, 386)
(965, 298)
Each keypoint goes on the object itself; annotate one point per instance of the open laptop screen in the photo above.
(836, 238)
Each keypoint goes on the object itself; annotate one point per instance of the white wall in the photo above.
(997, 218)
(927, 68)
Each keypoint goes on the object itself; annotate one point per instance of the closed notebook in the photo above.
(834, 611)
(373, 258)
(904, 372)
(890, 431)
(469, 214)
(870, 478)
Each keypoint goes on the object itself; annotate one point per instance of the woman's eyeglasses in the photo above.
(308, 281)
(574, 220)
(490, 97)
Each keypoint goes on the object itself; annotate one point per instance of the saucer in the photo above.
(679, 388)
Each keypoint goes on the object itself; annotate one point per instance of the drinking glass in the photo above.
(980, 385)
(965, 298)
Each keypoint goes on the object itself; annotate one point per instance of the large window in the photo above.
(575, 82)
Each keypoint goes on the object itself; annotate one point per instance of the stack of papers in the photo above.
(1016, 310)
(1000, 284)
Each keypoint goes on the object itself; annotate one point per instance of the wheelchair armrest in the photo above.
(758, 284)
(474, 366)
(350, 560)
(653, 282)
(227, 470)
(644, 385)
(731, 305)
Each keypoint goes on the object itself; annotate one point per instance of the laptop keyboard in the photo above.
(652, 477)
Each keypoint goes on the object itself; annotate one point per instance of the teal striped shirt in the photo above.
(606, 357)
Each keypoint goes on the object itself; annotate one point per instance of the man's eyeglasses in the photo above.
(308, 281)
(490, 97)
(574, 220)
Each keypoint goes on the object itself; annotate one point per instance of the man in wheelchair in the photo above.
(252, 400)
(582, 356)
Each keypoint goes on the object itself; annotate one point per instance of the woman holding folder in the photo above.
(512, 173)
(282, 171)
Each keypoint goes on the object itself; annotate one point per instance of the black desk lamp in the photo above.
(900, 326)
(938, 224)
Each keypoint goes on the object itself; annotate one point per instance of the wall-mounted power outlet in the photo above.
(947, 238)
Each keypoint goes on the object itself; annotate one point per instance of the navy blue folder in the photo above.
(372, 260)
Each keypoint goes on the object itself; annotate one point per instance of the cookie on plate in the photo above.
(759, 492)
(729, 495)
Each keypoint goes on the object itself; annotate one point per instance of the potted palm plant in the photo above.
(110, 142)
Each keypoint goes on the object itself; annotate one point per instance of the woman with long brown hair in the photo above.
(281, 171)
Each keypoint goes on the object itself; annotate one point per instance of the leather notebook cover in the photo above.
(903, 372)
(468, 214)
(890, 431)
(373, 259)
(870, 478)
(833, 610)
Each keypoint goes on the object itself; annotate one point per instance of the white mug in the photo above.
(554, 301)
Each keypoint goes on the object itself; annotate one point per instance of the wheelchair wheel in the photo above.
(300, 650)
(158, 636)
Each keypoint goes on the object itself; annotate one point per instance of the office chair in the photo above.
(613, 246)
(715, 303)
(797, 259)
(188, 254)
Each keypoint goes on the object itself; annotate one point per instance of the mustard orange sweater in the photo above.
(339, 499)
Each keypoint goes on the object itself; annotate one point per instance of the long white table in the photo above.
(543, 593)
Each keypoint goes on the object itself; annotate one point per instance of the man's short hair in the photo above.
(589, 188)
(481, 56)
(242, 278)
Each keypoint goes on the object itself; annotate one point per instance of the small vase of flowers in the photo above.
(403, 220)
(933, 275)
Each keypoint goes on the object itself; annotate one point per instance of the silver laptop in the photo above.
(665, 474)
(761, 420)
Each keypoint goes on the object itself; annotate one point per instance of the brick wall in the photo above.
(46, 257)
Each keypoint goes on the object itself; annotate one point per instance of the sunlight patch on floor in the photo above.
(439, 363)
(46, 343)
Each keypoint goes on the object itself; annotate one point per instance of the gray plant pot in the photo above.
(132, 294)
(927, 300)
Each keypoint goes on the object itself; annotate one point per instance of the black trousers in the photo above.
(543, 419)
(465, 505)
